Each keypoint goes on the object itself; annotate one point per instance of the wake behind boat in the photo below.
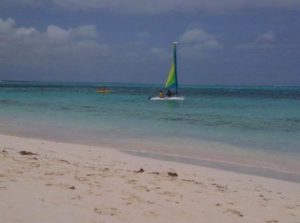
(171, 84)
(174, 98)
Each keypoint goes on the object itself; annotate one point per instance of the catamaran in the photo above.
(171, 84)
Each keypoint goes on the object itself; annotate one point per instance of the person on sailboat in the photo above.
(161, 94)
(169, 93)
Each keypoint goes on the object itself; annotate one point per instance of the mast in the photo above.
(175, 65)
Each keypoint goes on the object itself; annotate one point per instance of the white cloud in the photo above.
(197, 43)
(26, 31)
(264, 41)
(6, 25)
(53, 33)
(72, 50)
(8, 28)
(200, 39)
(28, 46)
(57, 34)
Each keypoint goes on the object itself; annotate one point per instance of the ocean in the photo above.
(247, 126)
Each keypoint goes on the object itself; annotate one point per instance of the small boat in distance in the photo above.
(103, 90)
(171, 84)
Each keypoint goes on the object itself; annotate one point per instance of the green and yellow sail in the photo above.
(171, 82)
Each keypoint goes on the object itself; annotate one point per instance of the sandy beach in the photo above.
(47, 181)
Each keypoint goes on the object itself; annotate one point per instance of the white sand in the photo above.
(76, 183)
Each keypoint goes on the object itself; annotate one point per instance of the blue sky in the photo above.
(220, 42)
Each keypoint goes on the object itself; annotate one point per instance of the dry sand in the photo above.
(60, 182)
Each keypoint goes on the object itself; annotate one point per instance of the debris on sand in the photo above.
(141, 170)
(172, 174)
(27, 153)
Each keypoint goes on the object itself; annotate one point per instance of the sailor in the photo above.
(161, 94)
(169, 93)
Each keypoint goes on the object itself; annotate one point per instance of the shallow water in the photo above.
(259, 126)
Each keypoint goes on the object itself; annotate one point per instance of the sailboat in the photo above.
(171, 84)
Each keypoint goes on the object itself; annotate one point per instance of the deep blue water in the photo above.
(256, 119)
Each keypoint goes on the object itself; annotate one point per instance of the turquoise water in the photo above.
(252, 125)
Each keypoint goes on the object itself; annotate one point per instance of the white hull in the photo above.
(175, 98)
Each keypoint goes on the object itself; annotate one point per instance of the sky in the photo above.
(232, 42)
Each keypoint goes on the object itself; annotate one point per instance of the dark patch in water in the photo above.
(284, 125)
(9, 102)
(88, 106)
(65, 108)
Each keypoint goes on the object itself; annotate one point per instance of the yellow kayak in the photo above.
(103, 91)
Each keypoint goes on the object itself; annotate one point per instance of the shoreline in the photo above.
(222, 165)
(216, 159)
(66, 182)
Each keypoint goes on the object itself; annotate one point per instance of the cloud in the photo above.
(56, 33)
(158, 6)
(6, 25)
(195, 41)
(26, 31)
(56, 46)
(75, 53)
(200, 39)
(8, 29)
(81, 32)
(53, 33)
(263, 41)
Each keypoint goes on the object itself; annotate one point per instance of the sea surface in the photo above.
(244, 125)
